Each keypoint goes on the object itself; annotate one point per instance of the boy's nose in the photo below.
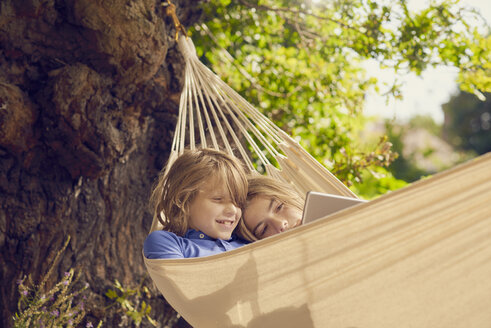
(231, 209)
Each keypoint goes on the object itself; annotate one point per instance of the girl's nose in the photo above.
(280, 225)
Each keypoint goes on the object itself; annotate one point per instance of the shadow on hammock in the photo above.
(204, 312)
(291, 317)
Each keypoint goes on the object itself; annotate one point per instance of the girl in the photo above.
(201, 197)
(272, 207)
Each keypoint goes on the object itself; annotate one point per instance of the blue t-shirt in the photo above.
(163, 244)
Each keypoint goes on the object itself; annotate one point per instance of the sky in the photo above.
(425, 94)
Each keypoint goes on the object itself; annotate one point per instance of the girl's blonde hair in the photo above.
(175, 191)
(263, 186)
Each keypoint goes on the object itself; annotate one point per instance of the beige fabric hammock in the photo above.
(417, 257)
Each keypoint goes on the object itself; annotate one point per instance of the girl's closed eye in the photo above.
(279, 206)
(261, 230)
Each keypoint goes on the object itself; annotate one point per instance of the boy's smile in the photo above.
(213, 212)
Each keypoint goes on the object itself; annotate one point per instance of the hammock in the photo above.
(418, 257)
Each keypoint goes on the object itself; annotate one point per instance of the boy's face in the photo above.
(212, 211)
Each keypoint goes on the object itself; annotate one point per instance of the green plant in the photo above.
(356, 163)
(59, 306)
(302, 63)
(131, 302)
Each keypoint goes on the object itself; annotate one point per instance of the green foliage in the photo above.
(381, 157)
(404, 167)
(421, 148)
(475, 77)
(301, 63)
(468, 122)
(59, 306)
(377, 182)
(131, 303)
(425, 122)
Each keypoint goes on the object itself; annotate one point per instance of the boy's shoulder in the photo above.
(162, 244)
(162, 234)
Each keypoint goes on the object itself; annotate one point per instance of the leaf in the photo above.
(126, 304)
(111, 294)
(117, 284)
(137, 317)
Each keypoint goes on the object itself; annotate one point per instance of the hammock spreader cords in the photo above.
(170, 10)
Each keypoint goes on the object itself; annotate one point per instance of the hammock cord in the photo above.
(212, 111)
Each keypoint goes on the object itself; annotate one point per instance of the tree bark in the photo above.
(89, 93)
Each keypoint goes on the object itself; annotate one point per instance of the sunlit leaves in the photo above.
(476, 77)
(303, 63)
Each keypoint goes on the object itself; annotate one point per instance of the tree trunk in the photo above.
(89, 93)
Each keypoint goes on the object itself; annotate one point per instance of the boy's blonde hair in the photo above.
(264, 186)
(176, 190)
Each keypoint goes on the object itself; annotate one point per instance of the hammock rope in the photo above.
(214, 113)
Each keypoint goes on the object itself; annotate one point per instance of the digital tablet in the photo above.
(319, 205)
